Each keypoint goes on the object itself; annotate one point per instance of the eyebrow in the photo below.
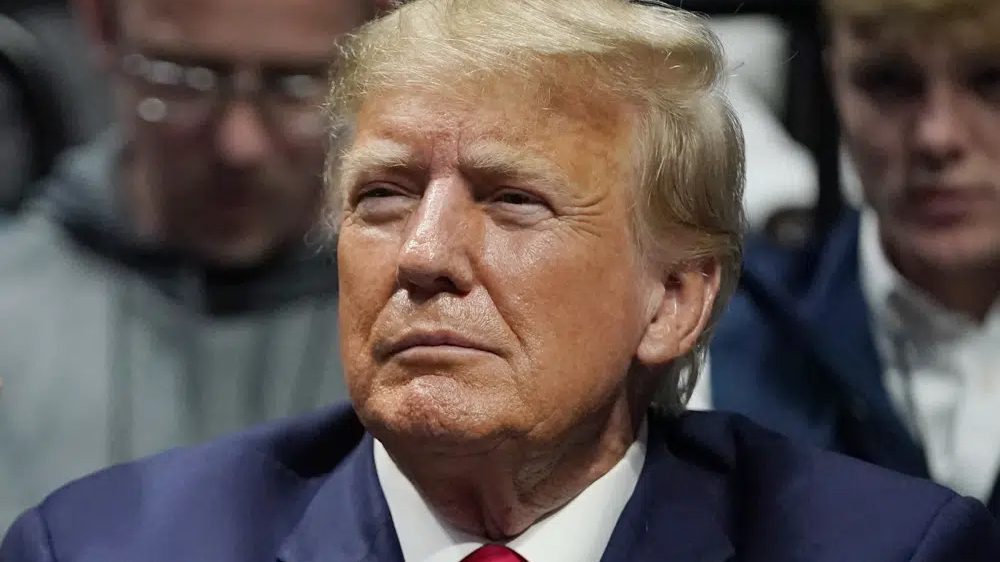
(482, 158)
(495, 158)
(377, 154)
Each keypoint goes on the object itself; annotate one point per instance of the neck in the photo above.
(501, 493)
(971, 291)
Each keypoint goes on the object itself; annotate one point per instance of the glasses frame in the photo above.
(203, 92)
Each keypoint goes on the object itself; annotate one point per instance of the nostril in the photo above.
(423, 283)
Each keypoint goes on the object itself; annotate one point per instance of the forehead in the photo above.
(568, 130)
(241, 29)
(920, 38)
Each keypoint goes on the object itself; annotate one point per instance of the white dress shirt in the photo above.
(941, 368)
(578, 532)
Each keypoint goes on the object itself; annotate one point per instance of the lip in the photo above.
(232, 198)
(433, 340)
(946, 204)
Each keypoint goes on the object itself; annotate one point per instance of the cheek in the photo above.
(875, 140)
(366, 267)
(572, 300)
(303, 159)
(985, 122)
(171, 153)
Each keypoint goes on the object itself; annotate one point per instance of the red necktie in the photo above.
(494, 553)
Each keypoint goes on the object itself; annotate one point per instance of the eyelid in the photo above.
(990, 75)
(527, 193)
(888, 82)
(536, 205)
(367, 187)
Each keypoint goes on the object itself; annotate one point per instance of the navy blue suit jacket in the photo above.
(714, 487)
(795, 352)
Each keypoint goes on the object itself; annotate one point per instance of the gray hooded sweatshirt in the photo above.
(113, 348)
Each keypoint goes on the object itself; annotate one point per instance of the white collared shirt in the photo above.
(941, 369)
(578, 532)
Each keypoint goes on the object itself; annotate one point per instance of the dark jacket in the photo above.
(714, 487)
(795, 352)
(112, 347)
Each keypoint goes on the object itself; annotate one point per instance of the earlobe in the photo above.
(683, 307)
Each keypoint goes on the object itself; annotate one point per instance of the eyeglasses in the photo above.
(186, 97)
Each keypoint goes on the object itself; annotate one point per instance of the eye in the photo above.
(986, 83)
(516, 206)
(511, 197)
(294, 87)
(377, 191)
(888, 82)
(380, 202)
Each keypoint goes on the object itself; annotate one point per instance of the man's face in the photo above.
(489, 284)
(921, 117)
(233, 181)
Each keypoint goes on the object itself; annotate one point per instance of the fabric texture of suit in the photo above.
(795, 352)
(714, 487)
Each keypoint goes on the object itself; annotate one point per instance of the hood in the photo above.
(82, 196)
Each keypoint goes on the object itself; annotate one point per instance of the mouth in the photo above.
(232, 197)
(433, 342)
(945, 205)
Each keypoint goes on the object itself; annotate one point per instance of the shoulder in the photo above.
(29, 242)
(40, 273)
(795, 497)
(223, 486)
(762, 359)
(767, 267)
(38, 236)
(771, 462)
(771, 465)
(776, 274)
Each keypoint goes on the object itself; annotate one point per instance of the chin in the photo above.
(440, 412)
(958, 251)
(238, 254)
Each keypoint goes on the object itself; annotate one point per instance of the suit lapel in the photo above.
(674, 513)
(348, 520)
(836, 319)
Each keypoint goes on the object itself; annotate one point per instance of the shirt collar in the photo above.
(896, 303)
(589, 518)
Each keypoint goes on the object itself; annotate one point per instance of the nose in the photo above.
(435, 256)
(241, 135)
(939, 134)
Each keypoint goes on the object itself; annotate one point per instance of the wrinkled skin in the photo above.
(493, 301)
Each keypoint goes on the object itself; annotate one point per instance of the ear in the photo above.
(99, 21)
(679, 310)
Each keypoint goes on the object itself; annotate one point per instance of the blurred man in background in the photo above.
(883, 340)
(163, 290)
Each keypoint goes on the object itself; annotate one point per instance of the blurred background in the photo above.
(53, 98)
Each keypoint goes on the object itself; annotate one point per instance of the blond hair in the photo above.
(663, 62)
(970, 22)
